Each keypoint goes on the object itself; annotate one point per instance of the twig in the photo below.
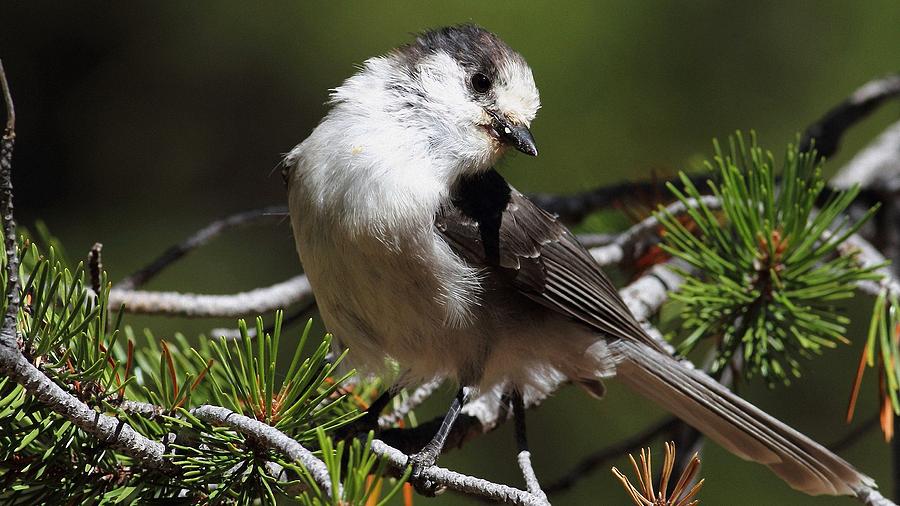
(459, 482)
(590, 463)
(524, 456)
(631, 244)
(854, 435)
(8, 101)
(575, 207)
(95, 266)
(198, 239)
(827, 131)
(272, 438)
(259, 301)
(876, 167)
(420, 395)
(868, 256)
(7, 146)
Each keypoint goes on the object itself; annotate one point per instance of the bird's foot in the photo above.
(420, 462)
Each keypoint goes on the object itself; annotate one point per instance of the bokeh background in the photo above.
(139, 122)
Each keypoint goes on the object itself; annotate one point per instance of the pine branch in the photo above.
(271, 438)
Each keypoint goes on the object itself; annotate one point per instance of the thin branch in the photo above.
(574, 208)
(95, 266)
(271, 438)
(854, 435)
(826, 133)
(198, 239)
(459, 482)
(10, 106)
(868, 256)
(232, 333)
(7, 146)
(259, 301)
(419, 395)
(524, 456)
(876, 167)
(590, 463)
(632, 243)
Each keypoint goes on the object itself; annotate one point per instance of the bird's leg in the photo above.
(369, 420)
(524, 456)
(429, 454)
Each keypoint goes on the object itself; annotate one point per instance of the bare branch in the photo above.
(7, 146)
(198, 239)
(459, 482)
(827, 131)
(524, 456)
(854, 435)
(632, 243)
(7, 99)
(272, 438)
(868, 256)
(875, 167)
(590, 463)
(118, 434)
(95, 266)
(416, 398)
(295, 290)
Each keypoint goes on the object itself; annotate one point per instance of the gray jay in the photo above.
(420, 254)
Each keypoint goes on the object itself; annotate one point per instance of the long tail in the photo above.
(736, 424)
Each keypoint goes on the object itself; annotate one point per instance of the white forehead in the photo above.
(517, 95)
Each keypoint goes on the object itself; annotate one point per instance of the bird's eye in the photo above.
(481, 83)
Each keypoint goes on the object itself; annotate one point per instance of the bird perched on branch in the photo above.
(419, 252)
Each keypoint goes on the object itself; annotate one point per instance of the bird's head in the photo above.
(469, 94)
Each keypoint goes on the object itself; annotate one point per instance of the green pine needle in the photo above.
(766, 275)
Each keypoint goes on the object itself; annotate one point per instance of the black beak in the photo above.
(516, 136)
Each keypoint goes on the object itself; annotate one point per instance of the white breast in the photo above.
(385, 284)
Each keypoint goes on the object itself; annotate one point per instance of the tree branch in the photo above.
(272, 438)
(420, 395)
(632, 243)
(876, 167)
(198, 239)
(295, 290)
(825, 134)
(590, 463)
(459, 482)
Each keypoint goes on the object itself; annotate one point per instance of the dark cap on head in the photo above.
(477, 49)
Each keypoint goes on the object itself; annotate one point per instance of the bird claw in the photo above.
(420, 462)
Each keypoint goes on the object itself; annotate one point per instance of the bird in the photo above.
(422, 257)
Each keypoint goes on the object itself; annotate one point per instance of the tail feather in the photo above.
(734, 423)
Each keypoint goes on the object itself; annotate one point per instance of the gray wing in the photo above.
(493, 226)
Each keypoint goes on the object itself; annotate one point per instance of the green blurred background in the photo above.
(139, 122)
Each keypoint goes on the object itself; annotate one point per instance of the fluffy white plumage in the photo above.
(364, 189)
(412, 137)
